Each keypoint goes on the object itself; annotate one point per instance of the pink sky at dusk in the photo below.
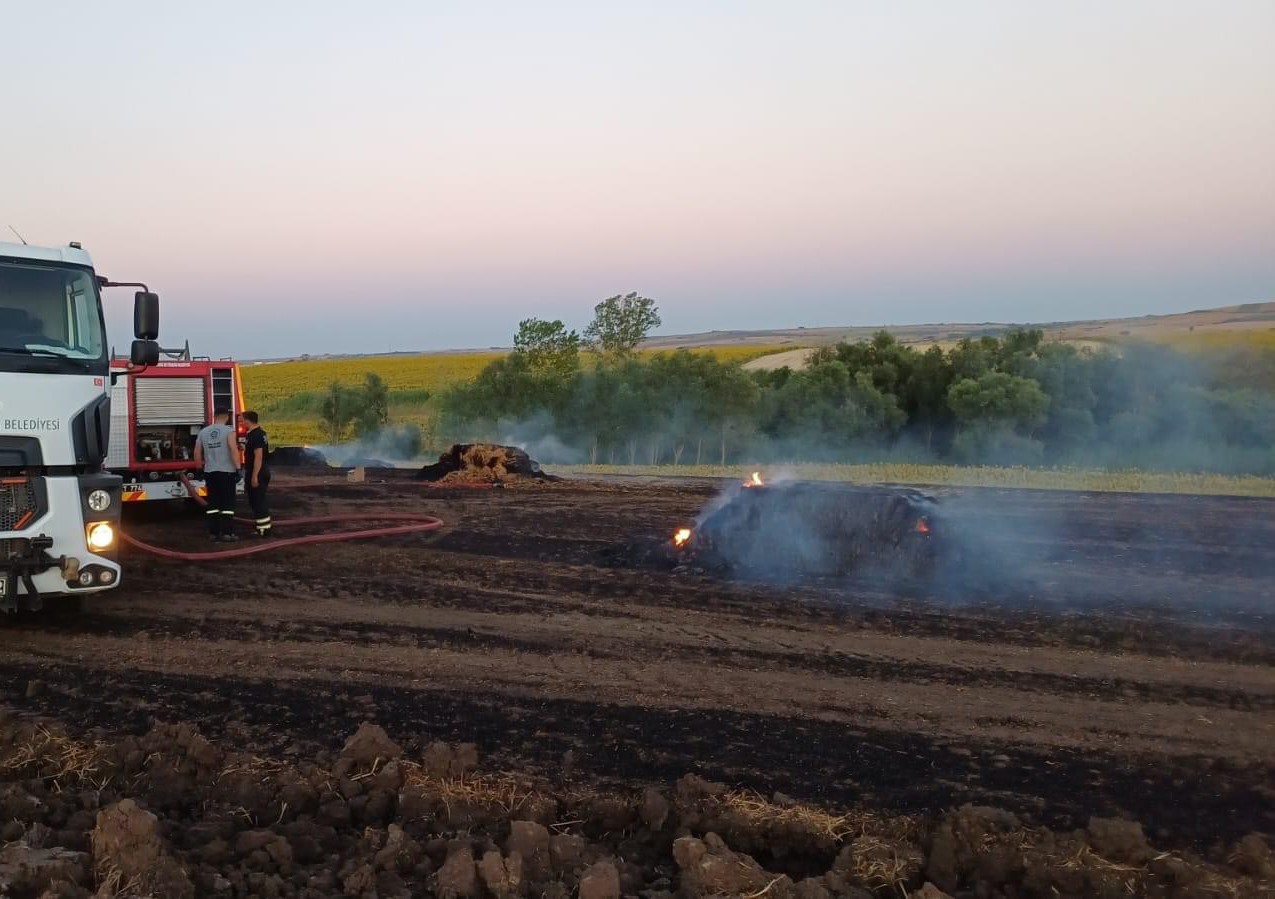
(407, 178)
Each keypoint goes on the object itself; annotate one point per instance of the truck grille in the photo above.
(18, 504)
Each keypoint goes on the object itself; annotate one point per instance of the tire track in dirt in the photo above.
(464, 582)
(1112, 689)
(649, 680)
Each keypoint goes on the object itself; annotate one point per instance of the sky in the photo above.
(336, 177)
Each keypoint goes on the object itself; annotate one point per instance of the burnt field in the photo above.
(1112, 656)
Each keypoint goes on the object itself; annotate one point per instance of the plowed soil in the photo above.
(1123, 666)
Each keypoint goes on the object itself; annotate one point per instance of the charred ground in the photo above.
(1122, 666)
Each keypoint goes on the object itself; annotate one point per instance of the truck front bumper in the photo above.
(62, 549)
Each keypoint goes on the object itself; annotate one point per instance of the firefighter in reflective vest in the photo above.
(257, 472)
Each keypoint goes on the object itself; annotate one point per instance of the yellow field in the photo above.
(1235, 339)
(960, 476)
(269, 382)
(730, 353)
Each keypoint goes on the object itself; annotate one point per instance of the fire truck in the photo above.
(156, 413)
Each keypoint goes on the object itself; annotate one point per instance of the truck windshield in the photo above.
(49, 312)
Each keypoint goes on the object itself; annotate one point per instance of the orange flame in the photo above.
(922, 526)
(682, 535)
(755, 480)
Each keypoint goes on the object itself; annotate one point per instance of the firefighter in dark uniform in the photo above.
(256, 475)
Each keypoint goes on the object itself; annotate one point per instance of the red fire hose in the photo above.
(413, 524)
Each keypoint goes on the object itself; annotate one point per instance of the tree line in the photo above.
(1010, 399)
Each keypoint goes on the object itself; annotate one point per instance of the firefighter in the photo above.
(217, 453)
(257, 472)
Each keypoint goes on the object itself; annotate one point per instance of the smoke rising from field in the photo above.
(872, 540)
(394, 446)
(1143, 407)
(1189, 558)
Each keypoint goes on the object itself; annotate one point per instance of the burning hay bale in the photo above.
(818, 529)
(479, 462)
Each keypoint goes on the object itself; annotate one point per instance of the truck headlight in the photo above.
(99, 500)
(101, 536)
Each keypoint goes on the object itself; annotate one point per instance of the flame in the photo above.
(755, 480)
(922, 526)
(681, 536)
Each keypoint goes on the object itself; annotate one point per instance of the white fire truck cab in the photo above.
(156, 413)
(59, 506)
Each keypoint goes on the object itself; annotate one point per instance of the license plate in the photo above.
(5, 589)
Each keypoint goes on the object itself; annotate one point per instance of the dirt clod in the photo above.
(655, 809)
(693, 788)
(128, 851)
(709, 868)
(502, 876)
(531, 842)
(400, 853)
(369, 745)
(359, 881)
(458, 877)
(1120, 841)
(444, 760)
(959, 842)
(601, 881)
(567, 852)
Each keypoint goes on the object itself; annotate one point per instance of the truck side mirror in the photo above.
(145, 316)
(144, 352)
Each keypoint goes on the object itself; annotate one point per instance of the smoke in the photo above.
(876, 544)
(391, 447)
(783, 532)
(542, 445)
(1137, 407)
(1172, 558)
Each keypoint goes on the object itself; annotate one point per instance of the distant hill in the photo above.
(1248, 322)
(1248, 317)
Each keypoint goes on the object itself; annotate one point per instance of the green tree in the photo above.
(338, 410)
(1066, 374)
(620, 323)
(505, 389)
(999, 398)
(593, 411)
(973, 358)
(926, 402)
(998, 411)
(374, 406)
(551, 350)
